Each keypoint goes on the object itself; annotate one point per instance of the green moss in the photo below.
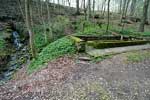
(80, 44)
(52, 51)
(76, 39)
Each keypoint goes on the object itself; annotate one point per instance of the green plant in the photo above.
(3, 49)
(138, 56)
(52, 51)
(90, 28)
(146, 33)
(59, 25)
(101, 58)
(40, 39)
(2, 44)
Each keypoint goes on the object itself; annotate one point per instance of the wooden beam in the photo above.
(110, 51)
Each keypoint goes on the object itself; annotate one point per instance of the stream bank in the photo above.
(18, 52)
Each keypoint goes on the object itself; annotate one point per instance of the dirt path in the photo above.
(69, 79)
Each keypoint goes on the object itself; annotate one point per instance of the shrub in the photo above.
(52, 51)
(59, 25)
(2, 43)
(39, 37)
(3, 49)
(90, 28)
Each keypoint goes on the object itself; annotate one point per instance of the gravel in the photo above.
(69, 79)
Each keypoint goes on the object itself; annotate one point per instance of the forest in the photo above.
(74, 49)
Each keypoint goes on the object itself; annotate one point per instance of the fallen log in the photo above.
(117, 50)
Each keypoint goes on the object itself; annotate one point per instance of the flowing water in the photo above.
(14, 62)
(16, 39)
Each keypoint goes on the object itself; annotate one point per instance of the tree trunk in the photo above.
(133, 6)
(93, 5)
(108, 17)
(126, 9)
(103, 8)
(85, 9)
(69, 3)
(144, 16)
(49, 34)
(48, 10)
(125, 12)
(31, 14)
(89, 10)
(120, 6)
(77, 6)
(28, 25)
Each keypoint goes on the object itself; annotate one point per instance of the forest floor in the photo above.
(68, 78)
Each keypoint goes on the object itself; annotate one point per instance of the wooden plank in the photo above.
(114, 43)
(109, 51)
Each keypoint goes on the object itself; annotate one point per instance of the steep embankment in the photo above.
(11, 19)
(52, 51)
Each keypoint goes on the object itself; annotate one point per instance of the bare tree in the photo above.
(48, 32)
(132, 8)
(124, 10)
(85, 9)
(89, 10)
(120, 6)
(69, 3)
(144, 16)
(103, 7)
(77, 6)
(108, 16)
(93, 5)
(28, 25)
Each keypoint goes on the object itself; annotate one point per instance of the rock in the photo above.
(84, 58)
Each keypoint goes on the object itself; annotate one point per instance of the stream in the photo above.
(16, 59)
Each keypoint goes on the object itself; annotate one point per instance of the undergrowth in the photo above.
(89, 28)
(56, 30)
(138, 56)
(2, 43)
(52, 51)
